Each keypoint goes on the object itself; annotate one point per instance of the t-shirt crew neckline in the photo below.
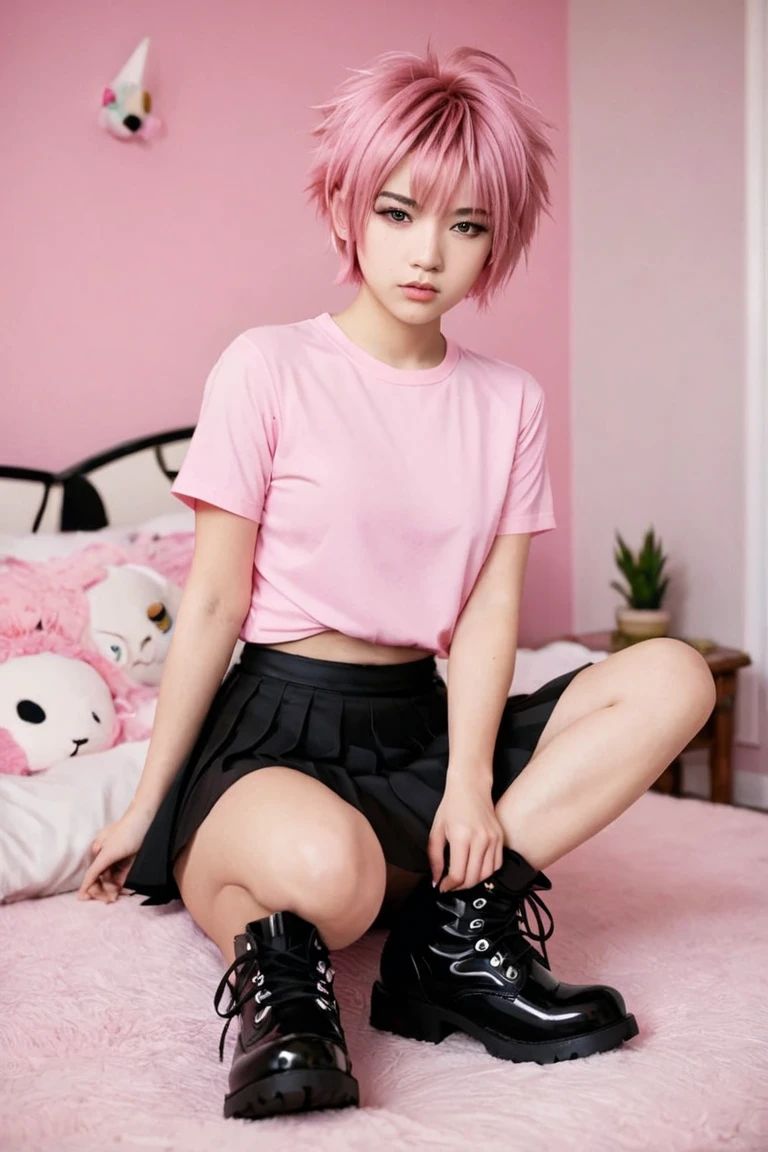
(416, 376)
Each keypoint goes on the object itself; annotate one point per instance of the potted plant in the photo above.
(643, 617)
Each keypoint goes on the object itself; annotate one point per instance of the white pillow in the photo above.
(48, 820)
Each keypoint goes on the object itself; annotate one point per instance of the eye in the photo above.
(30, 712)
(479, 229)
(160, 616)
(392, 213)
(116, 652)
(95, 717)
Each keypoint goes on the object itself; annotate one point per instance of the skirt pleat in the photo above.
(282, 735)
(226, 716)
(376, 736)
(322, 740)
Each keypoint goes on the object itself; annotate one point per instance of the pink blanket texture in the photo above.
(108, 1038)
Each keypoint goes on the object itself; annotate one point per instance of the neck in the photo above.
(394, 342)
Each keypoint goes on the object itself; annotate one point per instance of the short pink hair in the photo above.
(464, 115)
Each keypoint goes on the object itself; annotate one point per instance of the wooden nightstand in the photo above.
(717, 734)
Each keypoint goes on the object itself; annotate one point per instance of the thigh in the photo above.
(667, 672)
(277, 830)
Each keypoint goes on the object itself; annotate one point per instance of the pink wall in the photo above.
(126, 269)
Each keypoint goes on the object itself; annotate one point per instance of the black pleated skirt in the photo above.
(376, 735)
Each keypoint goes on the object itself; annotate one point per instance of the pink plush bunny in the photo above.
(59, 699)
(82, 643)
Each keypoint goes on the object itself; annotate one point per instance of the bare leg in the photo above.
(615, 729)
(280, 841)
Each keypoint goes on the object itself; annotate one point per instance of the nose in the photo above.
(428, 252)
(79, 742)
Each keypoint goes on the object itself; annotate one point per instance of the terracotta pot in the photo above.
(642, 623)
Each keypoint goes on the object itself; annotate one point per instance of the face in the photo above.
(405, 243)
(132, 615)
(55, 707)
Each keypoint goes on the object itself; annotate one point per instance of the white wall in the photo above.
(658, 304)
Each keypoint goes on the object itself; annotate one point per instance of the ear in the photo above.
(338, 216)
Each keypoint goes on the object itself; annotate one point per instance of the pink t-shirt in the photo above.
(378, 490)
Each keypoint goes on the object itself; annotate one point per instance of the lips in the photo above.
(421, 285)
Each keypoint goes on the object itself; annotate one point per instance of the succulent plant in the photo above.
(643, 573)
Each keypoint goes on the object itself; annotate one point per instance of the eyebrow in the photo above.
(412, 204)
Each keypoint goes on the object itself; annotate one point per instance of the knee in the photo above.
(344, 867)
(684, 676)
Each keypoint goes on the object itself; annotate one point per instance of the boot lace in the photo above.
(291, 975)
(513, 912)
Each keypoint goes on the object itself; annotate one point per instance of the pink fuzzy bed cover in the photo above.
(108, 1038)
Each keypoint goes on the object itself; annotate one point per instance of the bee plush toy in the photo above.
(126, 106)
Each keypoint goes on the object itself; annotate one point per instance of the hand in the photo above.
(114, 851)
(467, 823)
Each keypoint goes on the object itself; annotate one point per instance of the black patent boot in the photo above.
(290, 1055)
(463, 961)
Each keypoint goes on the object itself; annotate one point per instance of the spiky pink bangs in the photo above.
(466, 115)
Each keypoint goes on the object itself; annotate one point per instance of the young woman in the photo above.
(365, 492)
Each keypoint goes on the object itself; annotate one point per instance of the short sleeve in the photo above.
(229, 458)
(528, 506)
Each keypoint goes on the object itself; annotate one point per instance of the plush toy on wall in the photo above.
(126, 106)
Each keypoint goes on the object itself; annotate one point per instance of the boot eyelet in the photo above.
(511, 973)
(323, 1003)
(482, 946)
(496, 960)
(322, 988)
(476, 923)
(479, 903)
(258, 979)
(489, 886)
(321, 966)
(329, 974)
(260, 1015)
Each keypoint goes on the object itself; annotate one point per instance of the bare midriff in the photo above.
(348, 650)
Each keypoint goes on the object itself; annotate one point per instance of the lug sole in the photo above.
(302, 1090)
(420, 1020)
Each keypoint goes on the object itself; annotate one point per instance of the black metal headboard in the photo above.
(82, 509)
